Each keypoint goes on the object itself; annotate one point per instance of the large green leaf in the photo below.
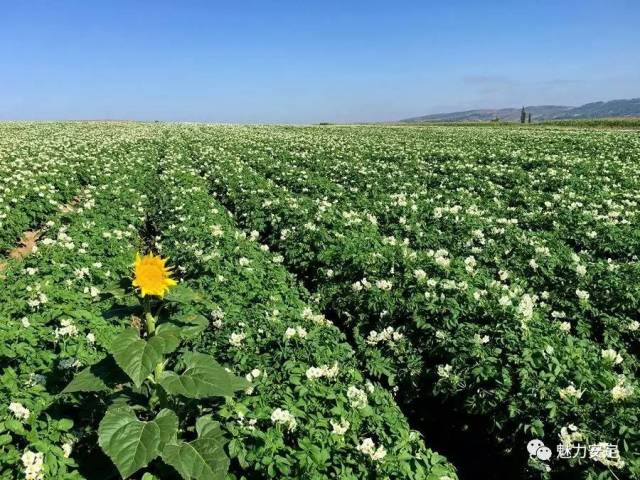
(132, 444)
(191, 324)
(137, 357)
(170, 334)
(201, 459)
(183, 294)
(103, 376)
(167, 421)
(206, 427)
(202, 377)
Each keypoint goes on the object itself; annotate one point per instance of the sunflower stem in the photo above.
(150, 323)
(158, 371)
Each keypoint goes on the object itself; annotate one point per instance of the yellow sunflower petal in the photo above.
(152, 276)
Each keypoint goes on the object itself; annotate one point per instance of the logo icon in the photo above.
(537, 449)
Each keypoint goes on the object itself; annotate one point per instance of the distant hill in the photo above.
(613, 108)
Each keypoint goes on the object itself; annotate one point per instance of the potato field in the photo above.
(191, 301)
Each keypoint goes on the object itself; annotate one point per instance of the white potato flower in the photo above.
(19, 411)
(283, 417)
(340, 428)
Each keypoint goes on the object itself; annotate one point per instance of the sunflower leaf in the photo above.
(132, 444)
(202, 377)
(137, 357)
(203, 458)
(103, 376)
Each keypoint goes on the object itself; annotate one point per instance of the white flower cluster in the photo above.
(249, 424)
(570, 392)
(69, 363)
(441, 257)
(33, 465)
(296, 331)
(324, 371)
(38, 298)
(217, 316)
(92, 291)
(564, 327)
(19, 411)
(361, 284)
(236, 339)
(390, 241)
(284, 417)
(470, 264)
(340, 428)
(444, 371)
(67, 329)
(612, 356)
(317, 318)
(65, 240)
(368, 447)
(388, 335)
(67, 448)
(570, 435)
(216, 231)
(480, 340)
(599, 453)
(253, 374)
(399, 199)
(357, 397)
(36, 379)
(81, 272)
(384, 285)
(621, 391)
(525, 309)
(582, 295)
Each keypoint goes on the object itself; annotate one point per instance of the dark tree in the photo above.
(523, 115)
(529, 117)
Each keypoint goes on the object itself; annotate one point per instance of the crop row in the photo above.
(310, 413)
(52, 323)
(44, 167)
(527, 231)
(485, 340)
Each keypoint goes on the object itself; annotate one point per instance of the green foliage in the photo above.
(493, 270)
(96, 198)
(202, 377)
(460, 259)
(199, 458)
(137, 357)
(131, 443)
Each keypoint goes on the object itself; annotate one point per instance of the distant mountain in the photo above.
(613, 108)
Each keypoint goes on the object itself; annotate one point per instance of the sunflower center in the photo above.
(151, 276)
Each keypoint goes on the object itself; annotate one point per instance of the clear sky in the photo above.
(304, 62)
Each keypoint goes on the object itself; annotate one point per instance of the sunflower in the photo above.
(152, 276)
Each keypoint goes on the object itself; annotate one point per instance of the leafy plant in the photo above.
(151, 404)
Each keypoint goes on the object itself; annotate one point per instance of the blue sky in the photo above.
(305, 62)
